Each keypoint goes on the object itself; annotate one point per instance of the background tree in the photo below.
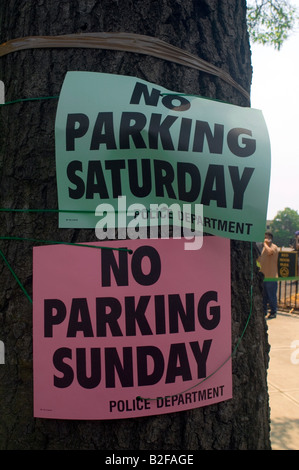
(214, 30)
(271, 21)
(284, 226)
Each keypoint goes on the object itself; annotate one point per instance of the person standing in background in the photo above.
(296, 248)
(268, 262)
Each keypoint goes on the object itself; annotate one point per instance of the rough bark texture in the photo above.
(215, 31)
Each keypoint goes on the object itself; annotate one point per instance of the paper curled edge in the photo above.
(121, 41)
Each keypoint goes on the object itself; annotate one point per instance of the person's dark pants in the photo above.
(270, 297)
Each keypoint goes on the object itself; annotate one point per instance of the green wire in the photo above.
(75, 211)
(52, 242)
(49, 242)
(21, 100)
(47, 210)
(15, 276)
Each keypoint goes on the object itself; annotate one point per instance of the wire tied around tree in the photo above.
(122, 41)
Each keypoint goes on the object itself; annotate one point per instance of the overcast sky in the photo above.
(275, 90)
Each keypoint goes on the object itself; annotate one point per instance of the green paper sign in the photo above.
(123, 142)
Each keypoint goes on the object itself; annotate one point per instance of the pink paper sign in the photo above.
(122, 335)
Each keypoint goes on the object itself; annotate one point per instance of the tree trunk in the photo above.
(212, 30)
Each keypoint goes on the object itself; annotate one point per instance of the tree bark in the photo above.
(216, 32)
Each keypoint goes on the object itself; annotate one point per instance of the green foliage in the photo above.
(271, 21)
(284, 226)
